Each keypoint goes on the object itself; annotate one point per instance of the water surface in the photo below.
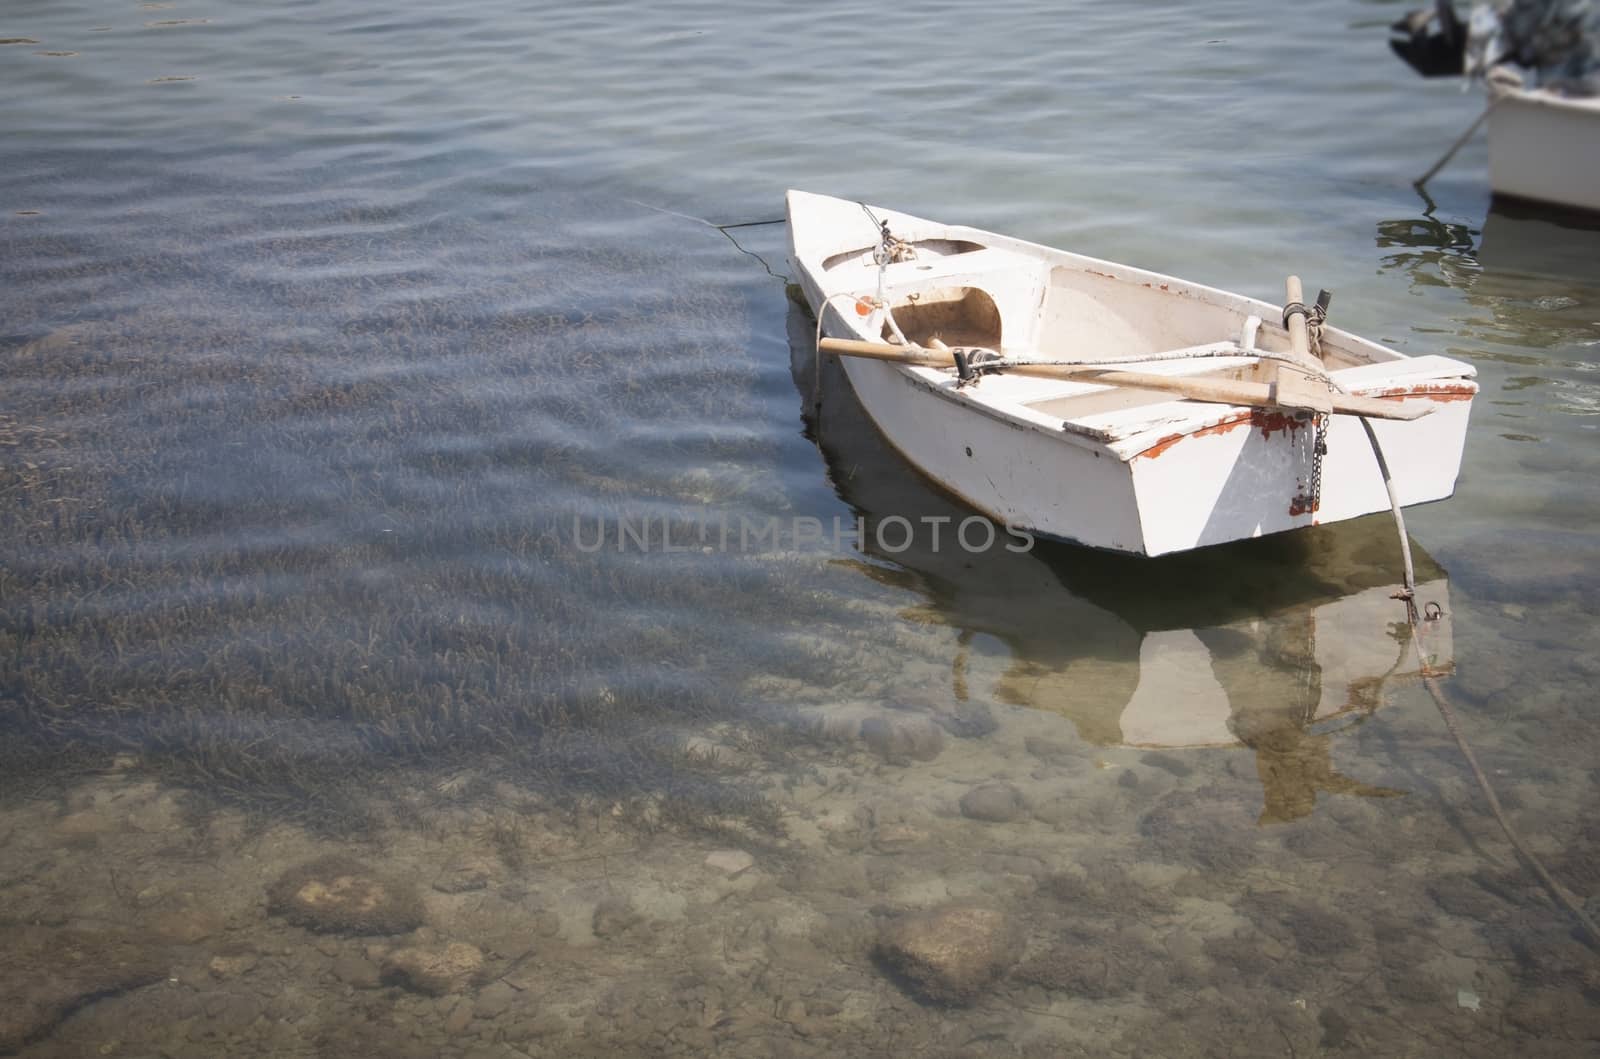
(327, 328)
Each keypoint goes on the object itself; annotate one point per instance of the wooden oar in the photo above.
(1217, 391)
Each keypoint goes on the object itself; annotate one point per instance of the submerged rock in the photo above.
(1167, 763)
(1202, 828)
(459, 1018)
(1097, 888)
(434, 970)
(1299, 920)
(730, 862)
(86, 822)
(996, 803)
(967, 720)
(232, 964)
(341, 895)
(949, 955)
(495, 1000)
(356, 971)
(1089, 964)
(464, 875)
(188, 925)
(1055, 751)
(898, 836)
(1459, 895)
(901, 740)
(1335, 1028)
(613, 917)
(48, 973)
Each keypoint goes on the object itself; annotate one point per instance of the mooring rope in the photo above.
(1461, 141)
(1562, 896)
(816, 347)
(702, 220)
(725, 229)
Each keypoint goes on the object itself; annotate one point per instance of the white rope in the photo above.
(1317, 370)
(816, 346)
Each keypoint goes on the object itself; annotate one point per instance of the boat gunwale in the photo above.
(1500, 94)
(1188, 417)
(1166, 420)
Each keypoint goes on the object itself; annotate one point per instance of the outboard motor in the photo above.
(1432, 52)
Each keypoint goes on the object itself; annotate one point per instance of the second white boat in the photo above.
(1544, 146)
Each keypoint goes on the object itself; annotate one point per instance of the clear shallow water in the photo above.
(325, 327)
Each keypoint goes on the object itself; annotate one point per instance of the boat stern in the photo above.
(1261, 471)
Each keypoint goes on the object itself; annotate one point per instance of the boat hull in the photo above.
(1018, 477)
(1253, 476)
(1105, 466)
(1247, 479)
(1545, 148)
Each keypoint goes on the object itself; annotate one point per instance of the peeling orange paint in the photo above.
(1273, 422)
(1434, 391)
(1269, 422)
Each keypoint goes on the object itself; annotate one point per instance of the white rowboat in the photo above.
(1120, 467)
(1544, 146)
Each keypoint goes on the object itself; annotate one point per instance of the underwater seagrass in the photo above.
(287, 508)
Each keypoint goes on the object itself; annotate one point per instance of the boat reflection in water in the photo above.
(1540, 241)
(1526, 284)
(1277, 644)
(1520, 242)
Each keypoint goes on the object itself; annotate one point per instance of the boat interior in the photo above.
(966, 294)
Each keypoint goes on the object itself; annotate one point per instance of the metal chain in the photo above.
(1319, 449)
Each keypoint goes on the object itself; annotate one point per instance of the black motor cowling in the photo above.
(1432, 50)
